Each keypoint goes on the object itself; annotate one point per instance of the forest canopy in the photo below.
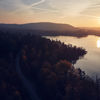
(45, 63)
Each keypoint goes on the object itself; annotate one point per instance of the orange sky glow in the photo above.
(82, 13)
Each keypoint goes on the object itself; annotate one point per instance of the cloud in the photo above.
(38, 3)
(87, 8)
(10, 5)
(63, 7)
(70, 7)
(45, 9)
(93, 10)
(44, 6)
(13, 5)
(29, 2)
(58, 9)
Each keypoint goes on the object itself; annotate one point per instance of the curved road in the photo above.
(27, 84)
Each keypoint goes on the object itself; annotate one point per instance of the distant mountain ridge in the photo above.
(45, 26)
(49, 29)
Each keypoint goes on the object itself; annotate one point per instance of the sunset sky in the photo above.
(75, 12)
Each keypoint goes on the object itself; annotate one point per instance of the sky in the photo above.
(81, 13)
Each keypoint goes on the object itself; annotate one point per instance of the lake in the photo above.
(91, 61)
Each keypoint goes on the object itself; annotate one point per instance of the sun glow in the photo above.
(98, 43)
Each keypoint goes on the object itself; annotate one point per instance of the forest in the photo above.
(47, 64)
(79, 33)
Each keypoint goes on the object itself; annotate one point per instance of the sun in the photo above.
(98, 43)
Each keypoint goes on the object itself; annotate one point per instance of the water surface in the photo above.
(91, 61)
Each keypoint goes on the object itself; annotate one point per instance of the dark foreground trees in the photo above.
(48, 64)
(61, 81)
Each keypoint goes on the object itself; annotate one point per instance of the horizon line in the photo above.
(51, 23)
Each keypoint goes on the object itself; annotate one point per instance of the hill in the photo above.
(49, 29)
(45, 26)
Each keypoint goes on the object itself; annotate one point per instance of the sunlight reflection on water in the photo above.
(91, 61)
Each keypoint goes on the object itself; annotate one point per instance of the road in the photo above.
(27, 84)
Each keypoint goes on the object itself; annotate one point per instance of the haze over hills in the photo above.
(50, 29)
(91, 28)
(46, 26)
